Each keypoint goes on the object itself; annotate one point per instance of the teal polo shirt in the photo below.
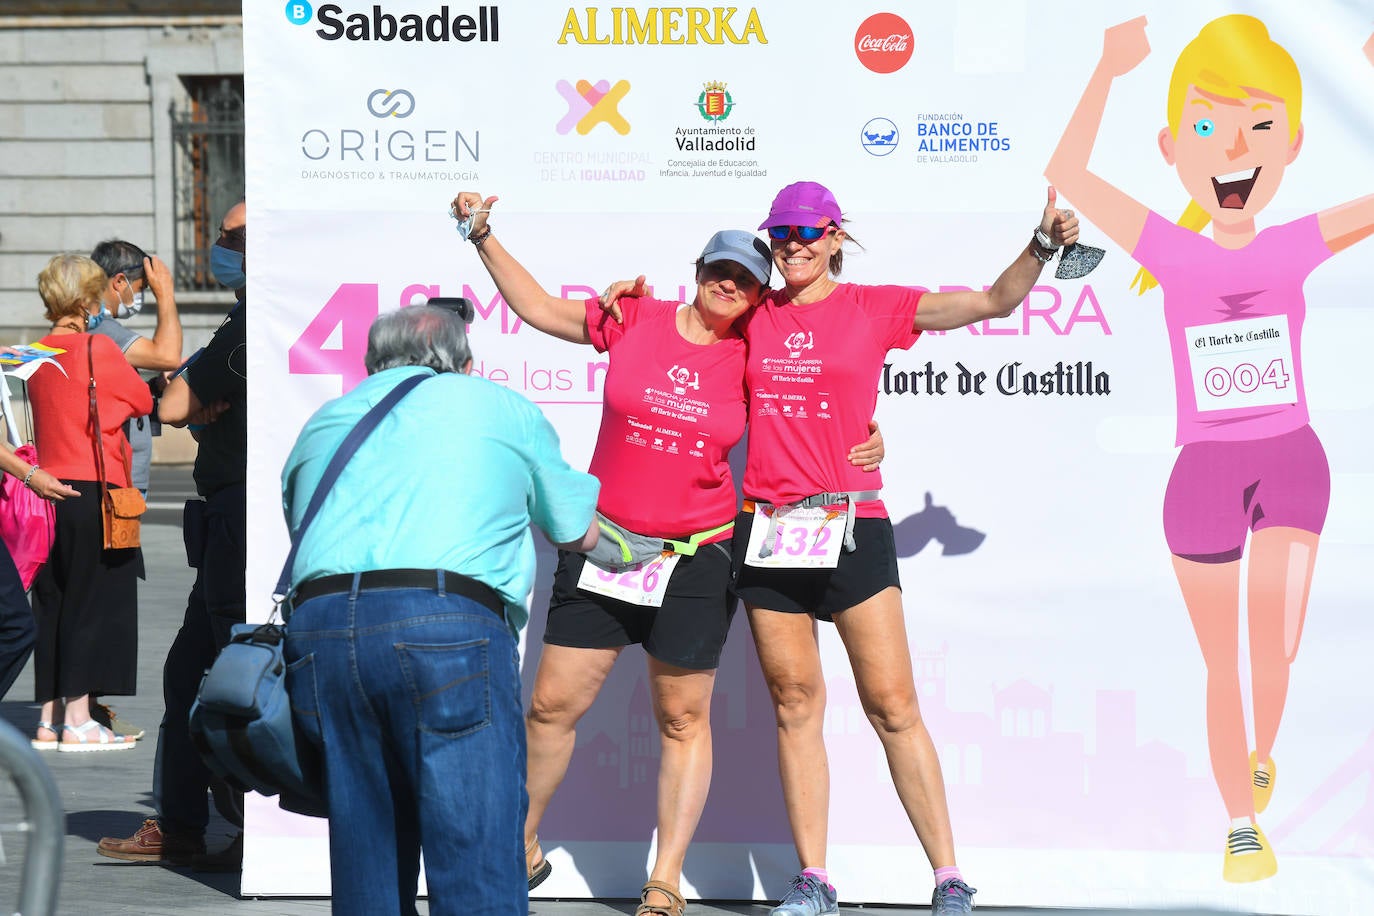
(450, 479)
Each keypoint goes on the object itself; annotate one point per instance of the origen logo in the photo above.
(391, 103)
(590, 105)
(883, 42)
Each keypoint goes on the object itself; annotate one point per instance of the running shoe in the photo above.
(808, 897)
(951, 897)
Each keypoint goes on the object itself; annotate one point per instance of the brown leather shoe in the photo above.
(150, 844)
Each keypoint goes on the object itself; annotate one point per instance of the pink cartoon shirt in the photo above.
(1234, 319)
(813, 385)
(673, 410)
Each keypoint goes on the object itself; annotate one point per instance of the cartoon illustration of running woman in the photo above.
(1234, 308)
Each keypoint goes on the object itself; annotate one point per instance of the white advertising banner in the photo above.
(1033, 473)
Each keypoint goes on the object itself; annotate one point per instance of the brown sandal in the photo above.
(536, 872)
(676, 905)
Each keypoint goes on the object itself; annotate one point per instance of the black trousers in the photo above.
(17, 628)
(216, 603)
(85, 600)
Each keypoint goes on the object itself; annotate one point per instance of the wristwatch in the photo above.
(1044, 241)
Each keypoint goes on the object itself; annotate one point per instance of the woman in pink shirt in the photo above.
(814, 541)
(674, 407)
(1249, 462)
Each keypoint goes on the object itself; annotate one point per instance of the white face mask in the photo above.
(134, 306)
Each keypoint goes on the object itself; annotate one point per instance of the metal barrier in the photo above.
(43, 821)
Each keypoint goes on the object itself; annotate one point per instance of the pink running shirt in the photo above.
(813, 385)
(1234, 319)
(672, 412)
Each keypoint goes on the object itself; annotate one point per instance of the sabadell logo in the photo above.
(377, 24)
(883, 43)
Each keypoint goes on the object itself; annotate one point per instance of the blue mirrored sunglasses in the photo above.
(804, 234)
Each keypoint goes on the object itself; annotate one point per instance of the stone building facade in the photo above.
(118, 118)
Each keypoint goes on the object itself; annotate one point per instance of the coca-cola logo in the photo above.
(883, 42)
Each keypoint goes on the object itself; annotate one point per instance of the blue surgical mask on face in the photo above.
(227, 266)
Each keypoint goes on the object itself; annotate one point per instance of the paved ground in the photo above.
(110, 793)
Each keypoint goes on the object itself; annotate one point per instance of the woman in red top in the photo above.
(85, 598)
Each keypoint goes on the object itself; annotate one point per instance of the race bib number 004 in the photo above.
(1246, 363)
(805, 538)
(644, 583)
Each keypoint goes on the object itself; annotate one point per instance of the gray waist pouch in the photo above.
(618, 548)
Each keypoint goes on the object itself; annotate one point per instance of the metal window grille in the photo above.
(208, 171)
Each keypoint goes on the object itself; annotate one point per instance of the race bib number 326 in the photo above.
(644, 584)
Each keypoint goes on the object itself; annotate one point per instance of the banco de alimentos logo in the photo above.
(879, 136)
(714, 103)
(590, 104)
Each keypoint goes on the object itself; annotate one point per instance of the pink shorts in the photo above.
(1219, 491)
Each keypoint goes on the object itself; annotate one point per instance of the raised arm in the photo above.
(944, 311)
(163, 349)
(563, 318)
(1346, 224)
(1124, 46)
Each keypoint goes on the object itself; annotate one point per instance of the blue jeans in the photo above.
(413, 696)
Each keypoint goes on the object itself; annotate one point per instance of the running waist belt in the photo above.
(820, 500)
(618, 548)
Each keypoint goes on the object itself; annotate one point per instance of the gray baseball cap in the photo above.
(744, 248)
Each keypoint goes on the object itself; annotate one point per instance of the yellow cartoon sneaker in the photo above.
(1263, 775)
(1249, 857)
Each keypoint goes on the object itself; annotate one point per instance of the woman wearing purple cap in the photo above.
(814, 542)
(662, 570)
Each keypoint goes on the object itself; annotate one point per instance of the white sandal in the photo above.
(40, 745)
(104, 739)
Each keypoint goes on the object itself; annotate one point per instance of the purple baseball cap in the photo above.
(803, 203)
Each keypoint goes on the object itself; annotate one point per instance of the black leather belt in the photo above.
(439, 579)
